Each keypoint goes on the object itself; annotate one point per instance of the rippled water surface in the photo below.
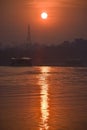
(43, 98)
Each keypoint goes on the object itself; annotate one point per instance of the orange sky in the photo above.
(66, 20)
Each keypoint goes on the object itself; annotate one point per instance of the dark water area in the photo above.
(43, 98)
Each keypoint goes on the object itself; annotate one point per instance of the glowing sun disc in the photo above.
(44, 15)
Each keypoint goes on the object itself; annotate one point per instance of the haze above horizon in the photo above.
(67, 20)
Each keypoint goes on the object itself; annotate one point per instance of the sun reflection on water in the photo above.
(44, 98)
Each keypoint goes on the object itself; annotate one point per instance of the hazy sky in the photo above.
(67, 19)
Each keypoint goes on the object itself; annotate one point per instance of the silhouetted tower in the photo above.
(29, 42)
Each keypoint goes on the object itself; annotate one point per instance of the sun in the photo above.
(44, 15)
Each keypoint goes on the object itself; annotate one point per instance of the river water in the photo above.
(43, 98)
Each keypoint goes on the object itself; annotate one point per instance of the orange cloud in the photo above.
(57, 3)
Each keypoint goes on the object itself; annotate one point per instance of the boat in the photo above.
(22, 61)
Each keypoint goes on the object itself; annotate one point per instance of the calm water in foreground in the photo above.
(43, 98)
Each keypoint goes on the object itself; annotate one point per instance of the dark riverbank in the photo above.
(66, 54)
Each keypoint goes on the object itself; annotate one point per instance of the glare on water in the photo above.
(44, 98)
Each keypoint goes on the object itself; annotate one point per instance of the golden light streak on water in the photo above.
(44, 99)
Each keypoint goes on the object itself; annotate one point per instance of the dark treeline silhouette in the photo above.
(65, 54)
